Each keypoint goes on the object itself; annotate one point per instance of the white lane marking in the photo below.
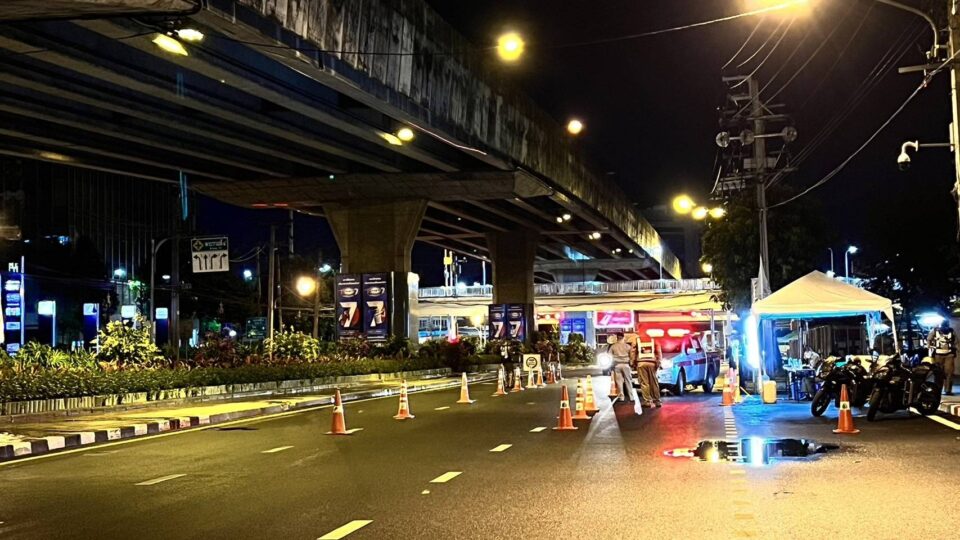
(277, 449)
(425, 492)
(939, 420)
(342, 532)
(538, 429)
(252, 420)
(442, 408)
(158, 480)
(354, 430)
(446, 477)
(500, 448)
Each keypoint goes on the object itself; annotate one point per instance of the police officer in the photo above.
(942, 344)
(621, 352)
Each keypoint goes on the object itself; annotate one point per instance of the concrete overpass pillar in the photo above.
(513, 254)
(378, 237)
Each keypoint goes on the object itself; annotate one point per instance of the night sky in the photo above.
(650, 103)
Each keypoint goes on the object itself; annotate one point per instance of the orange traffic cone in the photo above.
(540, 378)
(590, 401)
(404, 412)
(551, 379)
(500, 390)
(339, 426)
(530, 382)
(581, 411)
(517, 385)
(845, 422)
(614, 391)
(464, 391)
(728, 390)
(565, 421)
(737, 398)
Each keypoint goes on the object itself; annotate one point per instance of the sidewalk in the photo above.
(42, 435)
(951, 404)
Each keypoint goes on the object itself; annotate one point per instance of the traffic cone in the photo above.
(339, 426)
(551, 378)
(517, 385)
(540, 379)
(464, 391)
(581, 411)
(500, 391)
(845, 422)
(590, 401)
(737, 398)
(614, 391)
(565, 421)
(530, 381)
(404, 412)
(728, 390)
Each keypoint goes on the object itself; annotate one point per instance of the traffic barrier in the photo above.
(339, 425)
(845, 422)
(590, 400)
(540, 378)
(500, 390)
(404, 412)
(581, 411)
(614, 391)
(565, 421)
(464, 391)
(517, 385)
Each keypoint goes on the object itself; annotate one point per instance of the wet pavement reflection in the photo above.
(755, 451)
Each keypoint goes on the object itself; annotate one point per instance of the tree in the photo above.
(732, 244)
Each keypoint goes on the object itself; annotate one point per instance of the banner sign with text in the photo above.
(516, 322)
(497, 316)
(13, 308)
(349, 297)
(376, 302)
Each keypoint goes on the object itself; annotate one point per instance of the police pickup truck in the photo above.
(685, 362)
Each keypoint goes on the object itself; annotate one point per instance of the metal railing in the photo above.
(578, 288)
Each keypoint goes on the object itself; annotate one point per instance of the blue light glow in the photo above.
(752, 339)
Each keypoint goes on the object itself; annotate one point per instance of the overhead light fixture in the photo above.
(405, 134)
(559, 219)
(718, 212)
(170, 45)
(574, 127)
(567, 217)
(54, 156)
(190, 34)
(699, 212)
(392, 139)
(683, 204)
(510, 47)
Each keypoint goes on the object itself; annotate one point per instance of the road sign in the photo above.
(210, 254)
(531, 362)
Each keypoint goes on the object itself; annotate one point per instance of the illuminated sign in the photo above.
(614, 319)
(162, 313)
(128, 312)
(47, 308)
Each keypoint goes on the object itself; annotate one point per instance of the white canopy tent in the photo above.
(817, 295)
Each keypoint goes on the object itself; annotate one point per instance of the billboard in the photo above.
(497, 317)
(13, 308)
(614, 319)
(349, 298)
(516, 322)
(376, 306)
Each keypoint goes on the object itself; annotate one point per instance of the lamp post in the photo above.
(830, 249)
(852, 250)
(154, 248)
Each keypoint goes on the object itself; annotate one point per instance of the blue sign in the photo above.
(517, 322)
(497, 315)
(349, 299)
(579, 326)
(13, 302)
(376, 306)
(91, 324)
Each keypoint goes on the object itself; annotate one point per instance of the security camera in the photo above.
(903, 161)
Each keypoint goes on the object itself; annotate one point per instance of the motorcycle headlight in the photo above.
(604, 360)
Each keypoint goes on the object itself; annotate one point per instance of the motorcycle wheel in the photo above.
(874, 407)
(820, 402)
(928, 402)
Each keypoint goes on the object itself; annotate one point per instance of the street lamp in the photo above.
(306, 286)
(510, 47)
(405, 134)
(169, 44)
(707, 268)
(120, 273)
(699, 213)
(718, 212)
(683, 204)
(852, 250)
(247, 275)
(324, 268)
(574, 127)
(831, 273)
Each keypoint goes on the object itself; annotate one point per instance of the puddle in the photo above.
(756, 451)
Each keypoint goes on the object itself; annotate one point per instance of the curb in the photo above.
(953, 409)
(52, 443)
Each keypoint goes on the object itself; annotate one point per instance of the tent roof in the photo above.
(817, 295)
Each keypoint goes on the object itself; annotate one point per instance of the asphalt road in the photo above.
(281, 477)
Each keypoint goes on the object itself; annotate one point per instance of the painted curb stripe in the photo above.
(158, 480)
(446, 477)
(345, 530)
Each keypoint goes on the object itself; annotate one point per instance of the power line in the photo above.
(769, 54)
(762, 45)
(870, 139)
(745, 42)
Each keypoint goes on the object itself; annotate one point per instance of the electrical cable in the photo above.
(843, 164)
(769, 54)
(762, 45)
(745, 43)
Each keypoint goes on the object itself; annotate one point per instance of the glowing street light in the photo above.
(699, 213)
(718, 212)
(120, 273)
(683, 204)
(786, 8)
(707, 268)
(852, 250)
(405, 134)
(574, 127)
(248, 275)
(190, 34)
(306, 285)
(325, 268)
(170, 45)
(510, 47)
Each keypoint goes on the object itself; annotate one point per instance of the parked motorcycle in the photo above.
(833, 374)
(898, 387)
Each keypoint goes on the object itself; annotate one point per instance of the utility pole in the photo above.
(953, 19)
(760, 166)
(271, 279)
(316, 295)
(175, 298)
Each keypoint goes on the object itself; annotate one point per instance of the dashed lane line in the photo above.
(446, 477)
(277, 449)
(500, 448)
(442, 408)
(159, 480)
(345, 530)
(538, 429)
